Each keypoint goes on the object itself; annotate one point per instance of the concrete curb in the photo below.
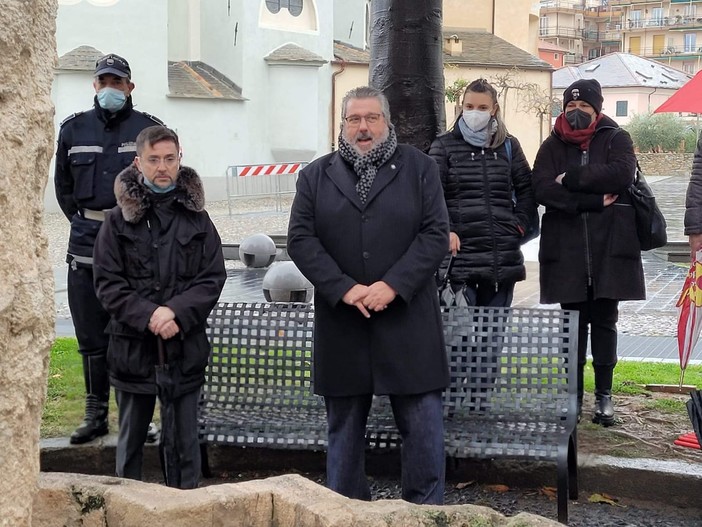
(675, 483)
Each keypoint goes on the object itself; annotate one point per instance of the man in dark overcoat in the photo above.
(369, 228)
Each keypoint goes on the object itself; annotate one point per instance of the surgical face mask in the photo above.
(155, 188)
(578, 119)
(111, 99)
(476, 119)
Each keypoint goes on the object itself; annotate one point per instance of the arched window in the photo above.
(294, 6)
(289, 15)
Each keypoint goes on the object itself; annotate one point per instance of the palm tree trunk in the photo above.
(407, 65)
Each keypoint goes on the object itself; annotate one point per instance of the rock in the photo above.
(74, 500)
(28, 50)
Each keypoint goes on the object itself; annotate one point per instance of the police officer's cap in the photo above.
(113, 64)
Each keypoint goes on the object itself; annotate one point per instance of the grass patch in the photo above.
(65, 396)
(630, 376)
(667, 406)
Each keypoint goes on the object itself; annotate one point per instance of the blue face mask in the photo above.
(111, 99)
(155, 188)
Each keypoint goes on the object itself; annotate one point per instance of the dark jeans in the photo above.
(135, 412)
(599, 318)
(420, 423)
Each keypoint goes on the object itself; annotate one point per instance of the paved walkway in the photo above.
(663, 284)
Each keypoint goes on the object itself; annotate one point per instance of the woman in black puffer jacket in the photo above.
(487, 187)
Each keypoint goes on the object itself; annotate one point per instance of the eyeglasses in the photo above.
(155, 162)
(371, 118)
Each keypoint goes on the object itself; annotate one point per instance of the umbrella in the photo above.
(448, 295)
(167, 448)
(686, 98)
(690, 313)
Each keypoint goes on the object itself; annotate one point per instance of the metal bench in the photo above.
(512, 391)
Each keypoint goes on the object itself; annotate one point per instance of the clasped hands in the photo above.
(608, 199)
(367, 298)
(162, 323)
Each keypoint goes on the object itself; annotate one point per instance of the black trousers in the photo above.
(89, 317)
(599, 319)
(135, 412)
(89, 321)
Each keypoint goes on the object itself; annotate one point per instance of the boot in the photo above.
(97, 388)
(94, 423)
(604, 409)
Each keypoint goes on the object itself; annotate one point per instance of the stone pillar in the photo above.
(28, 51)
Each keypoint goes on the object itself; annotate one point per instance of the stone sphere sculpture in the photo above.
(285, 283)
(257, 250)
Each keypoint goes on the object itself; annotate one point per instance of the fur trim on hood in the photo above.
(133, 197)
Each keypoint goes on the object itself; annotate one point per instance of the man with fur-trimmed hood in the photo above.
(159, 271)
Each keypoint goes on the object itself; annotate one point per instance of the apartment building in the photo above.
(669, 32)
(586, 28)
(666, 31)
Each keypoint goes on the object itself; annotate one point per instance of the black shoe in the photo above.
(153, 433)
(94, 423)
(580, 410)
(604, 411)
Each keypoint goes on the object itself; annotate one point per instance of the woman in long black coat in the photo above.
(590, 257)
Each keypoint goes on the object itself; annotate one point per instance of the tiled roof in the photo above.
(292, 53)
(616, 70)
(82, 58)
(198, 80)
(481, 48)
(351, 54)
(550, 46)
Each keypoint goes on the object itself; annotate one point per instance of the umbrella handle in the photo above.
(161, 351)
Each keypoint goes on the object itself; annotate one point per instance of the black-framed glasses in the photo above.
(371, 118)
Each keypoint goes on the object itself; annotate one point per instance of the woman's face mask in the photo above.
(476, 119)
(111, 99)
(578, 119)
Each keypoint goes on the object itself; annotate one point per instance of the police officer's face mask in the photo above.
(578, 119)
(111, 99)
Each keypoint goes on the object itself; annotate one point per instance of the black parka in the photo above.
(157, 250)
(582, 241)
(480, 185)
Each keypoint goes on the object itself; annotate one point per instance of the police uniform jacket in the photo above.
(153, 250)
(399, 236)
(93, 147)
(584, 243)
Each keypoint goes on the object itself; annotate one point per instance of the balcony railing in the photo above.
(585, 34)
(672, 22)
(574, 58)
(667, 51)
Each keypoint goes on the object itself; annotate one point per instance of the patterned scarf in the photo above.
(581, 138)
(366, 166)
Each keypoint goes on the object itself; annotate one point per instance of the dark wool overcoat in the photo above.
(479, 187)
(157, 250)
(399, 236)
(582, 241)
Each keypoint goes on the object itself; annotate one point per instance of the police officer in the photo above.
(93, 147)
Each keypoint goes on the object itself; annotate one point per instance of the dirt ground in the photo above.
(644, 428)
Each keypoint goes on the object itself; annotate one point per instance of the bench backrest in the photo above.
(509, 365)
